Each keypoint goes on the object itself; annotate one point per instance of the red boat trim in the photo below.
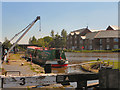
(58, 65)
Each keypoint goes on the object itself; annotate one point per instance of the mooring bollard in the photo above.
(47, 68)
(2, 79)
(81, 84)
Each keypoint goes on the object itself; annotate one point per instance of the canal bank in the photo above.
(71, 69)
(16, 63)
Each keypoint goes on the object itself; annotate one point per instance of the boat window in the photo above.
(35, 53)
(57, 54)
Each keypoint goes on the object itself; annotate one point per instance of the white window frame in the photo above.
(90, 47)
(101, 47)
(108, 47)
(108, 40)
(81, 41)
(75, 41)
(90, 41)
(100, 41)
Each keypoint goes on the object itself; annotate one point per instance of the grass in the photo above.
(36, 69)
(88, 66)
(115, 63)
(16, 57)
(93, 51)
(33, 67)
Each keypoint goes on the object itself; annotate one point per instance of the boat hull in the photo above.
(56, 64)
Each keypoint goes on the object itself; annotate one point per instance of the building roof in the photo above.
(78, 31)
(113, 27)
(93, 30)
(108, 34)
(91, 35)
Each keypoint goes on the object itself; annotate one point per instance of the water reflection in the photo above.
(69, 69)
(60, 70)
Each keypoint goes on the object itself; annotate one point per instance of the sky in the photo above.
(56, 16)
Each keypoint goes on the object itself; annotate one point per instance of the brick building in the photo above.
(85, 39)
(75, 38)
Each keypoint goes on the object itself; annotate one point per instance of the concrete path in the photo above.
(15, 65)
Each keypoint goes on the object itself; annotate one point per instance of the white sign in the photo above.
(18, 81)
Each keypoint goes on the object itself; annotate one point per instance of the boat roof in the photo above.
(41, 48)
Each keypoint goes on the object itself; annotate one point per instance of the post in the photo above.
(47, 68)
(108, 63)
(113, 64)
(2, 82)
(81, 84)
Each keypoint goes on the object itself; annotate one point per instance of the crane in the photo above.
(26, 29)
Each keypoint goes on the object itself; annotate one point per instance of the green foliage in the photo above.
(52, 34)
(92, 51)
(48, 39)
(55, 41)
(6, 43)
(115, 50)
(64, 37)
(40, 42)
(33, 41)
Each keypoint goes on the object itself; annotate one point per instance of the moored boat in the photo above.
(54, 56)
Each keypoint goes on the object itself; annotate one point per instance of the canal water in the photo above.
(81, 57)
(78, 58)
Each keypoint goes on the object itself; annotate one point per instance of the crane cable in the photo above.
(24, 30)
(19, 32)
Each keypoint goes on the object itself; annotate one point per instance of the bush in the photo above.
(92, 51)
(115, 50)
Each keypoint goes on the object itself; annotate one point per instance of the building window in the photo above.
(67, 38)
(81, 42)
(90, 47)
(73, 48)
(75, 41)
(108, 47)
(107, 40)
(75, 36)
(100, 41)
(115, 46)
(86, 47)
(100, 47)
(115, 39)
(90, 41)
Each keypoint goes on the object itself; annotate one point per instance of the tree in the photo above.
(33, 40)
(58, 41)
(41, 42)
(64, 37)
(52, 34)
(48, 39)
(6, 44)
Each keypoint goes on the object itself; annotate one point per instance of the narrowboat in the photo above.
(54, 56)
